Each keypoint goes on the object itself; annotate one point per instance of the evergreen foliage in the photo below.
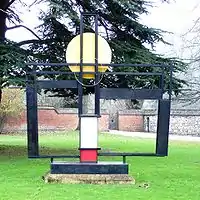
(119, 24)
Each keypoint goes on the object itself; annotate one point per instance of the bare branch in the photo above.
(11, 13)
(35, 2)
(191, 29)
(19, 26)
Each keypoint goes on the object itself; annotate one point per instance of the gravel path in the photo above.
(153, 135)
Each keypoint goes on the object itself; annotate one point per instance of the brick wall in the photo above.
(130, 121)
(52, 119)
(185, 122)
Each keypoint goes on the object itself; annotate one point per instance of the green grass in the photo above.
(169, 178)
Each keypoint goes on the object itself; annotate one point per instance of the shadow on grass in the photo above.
(16, 150)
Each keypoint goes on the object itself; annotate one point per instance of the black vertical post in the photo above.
(148, 125)
(80, 87)
(171, 81)
(32, 116)
(162, 85)
(164, 117)
(163, 127)
(97, 76)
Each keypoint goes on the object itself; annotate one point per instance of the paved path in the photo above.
(153, 135)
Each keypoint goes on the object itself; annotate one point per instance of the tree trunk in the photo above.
(0, 95)
(3, 15)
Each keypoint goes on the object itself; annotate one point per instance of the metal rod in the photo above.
(81, 46)
(80, 87)
(126, 154)
(96, 45)
(102, 64)
(124, 159)
(162, 81)
(97, 75)
(110, 73)
(55, 156)
(171, 81)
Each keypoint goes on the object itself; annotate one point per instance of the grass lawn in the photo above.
(173, 177)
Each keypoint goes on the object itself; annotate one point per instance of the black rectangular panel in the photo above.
(47, 84)
(125, 93)
(89, 168)
(163, 127)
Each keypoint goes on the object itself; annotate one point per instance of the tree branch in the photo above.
(9, 4)
(35, 2)
(27, 42)
(19, 26)
(4, 11)
(34, 41)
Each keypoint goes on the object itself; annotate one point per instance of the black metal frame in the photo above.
(106, 93)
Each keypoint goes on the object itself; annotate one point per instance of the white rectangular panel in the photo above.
(89, 132)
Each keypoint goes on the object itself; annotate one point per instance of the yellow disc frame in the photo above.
(73, 53)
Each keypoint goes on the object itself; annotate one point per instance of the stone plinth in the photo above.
(89, 178)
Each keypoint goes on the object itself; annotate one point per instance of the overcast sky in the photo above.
(177, 17)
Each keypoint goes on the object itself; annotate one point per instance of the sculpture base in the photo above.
(89, 178)
(89, 168)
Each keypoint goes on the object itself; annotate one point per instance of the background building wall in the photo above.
(182, 122)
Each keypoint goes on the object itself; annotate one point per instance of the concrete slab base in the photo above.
(89, 178)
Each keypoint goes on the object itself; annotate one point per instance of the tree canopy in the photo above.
(12, 57)
(119, 23)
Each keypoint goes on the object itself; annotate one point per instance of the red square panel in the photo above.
(89, 155)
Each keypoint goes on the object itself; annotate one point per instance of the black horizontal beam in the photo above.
(100, 64)
(125, 93)
(100, 154)
(127, 154)
(111, 73)
(46, 84)
(133, 73)
(55, 156)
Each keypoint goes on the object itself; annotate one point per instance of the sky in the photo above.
(177, 17)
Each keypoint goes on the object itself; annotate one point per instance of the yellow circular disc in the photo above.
(73, 53)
